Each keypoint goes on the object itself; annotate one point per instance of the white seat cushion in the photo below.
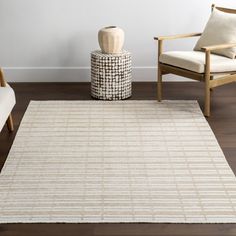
(195, 61)
(7, 102)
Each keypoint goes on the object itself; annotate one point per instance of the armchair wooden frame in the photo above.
(9, 121)
(206, 77)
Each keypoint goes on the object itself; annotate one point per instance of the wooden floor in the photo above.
(222, 121)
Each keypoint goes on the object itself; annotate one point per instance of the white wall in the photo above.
(51, 40)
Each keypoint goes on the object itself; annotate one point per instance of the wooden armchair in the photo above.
(204, 67)
(7, 102)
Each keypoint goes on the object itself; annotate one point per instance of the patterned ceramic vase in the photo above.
(111, 39)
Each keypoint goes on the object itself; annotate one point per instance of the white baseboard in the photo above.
(75, 74)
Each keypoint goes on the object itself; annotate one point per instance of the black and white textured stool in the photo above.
(111, 75)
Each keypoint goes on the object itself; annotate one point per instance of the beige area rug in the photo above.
(129, 161)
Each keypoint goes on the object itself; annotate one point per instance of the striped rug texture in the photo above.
(128, 161)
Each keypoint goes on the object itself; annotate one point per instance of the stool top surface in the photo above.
(99, 53)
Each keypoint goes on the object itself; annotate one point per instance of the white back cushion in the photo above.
(220, 29)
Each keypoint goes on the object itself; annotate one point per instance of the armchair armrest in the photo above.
(218, 47)
(179, 36)
(160, 40)
(2, 81)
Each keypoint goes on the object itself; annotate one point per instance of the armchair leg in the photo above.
(159, 72)
(207, 85)
(159, 84)
(10, 124)
(207, 101)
